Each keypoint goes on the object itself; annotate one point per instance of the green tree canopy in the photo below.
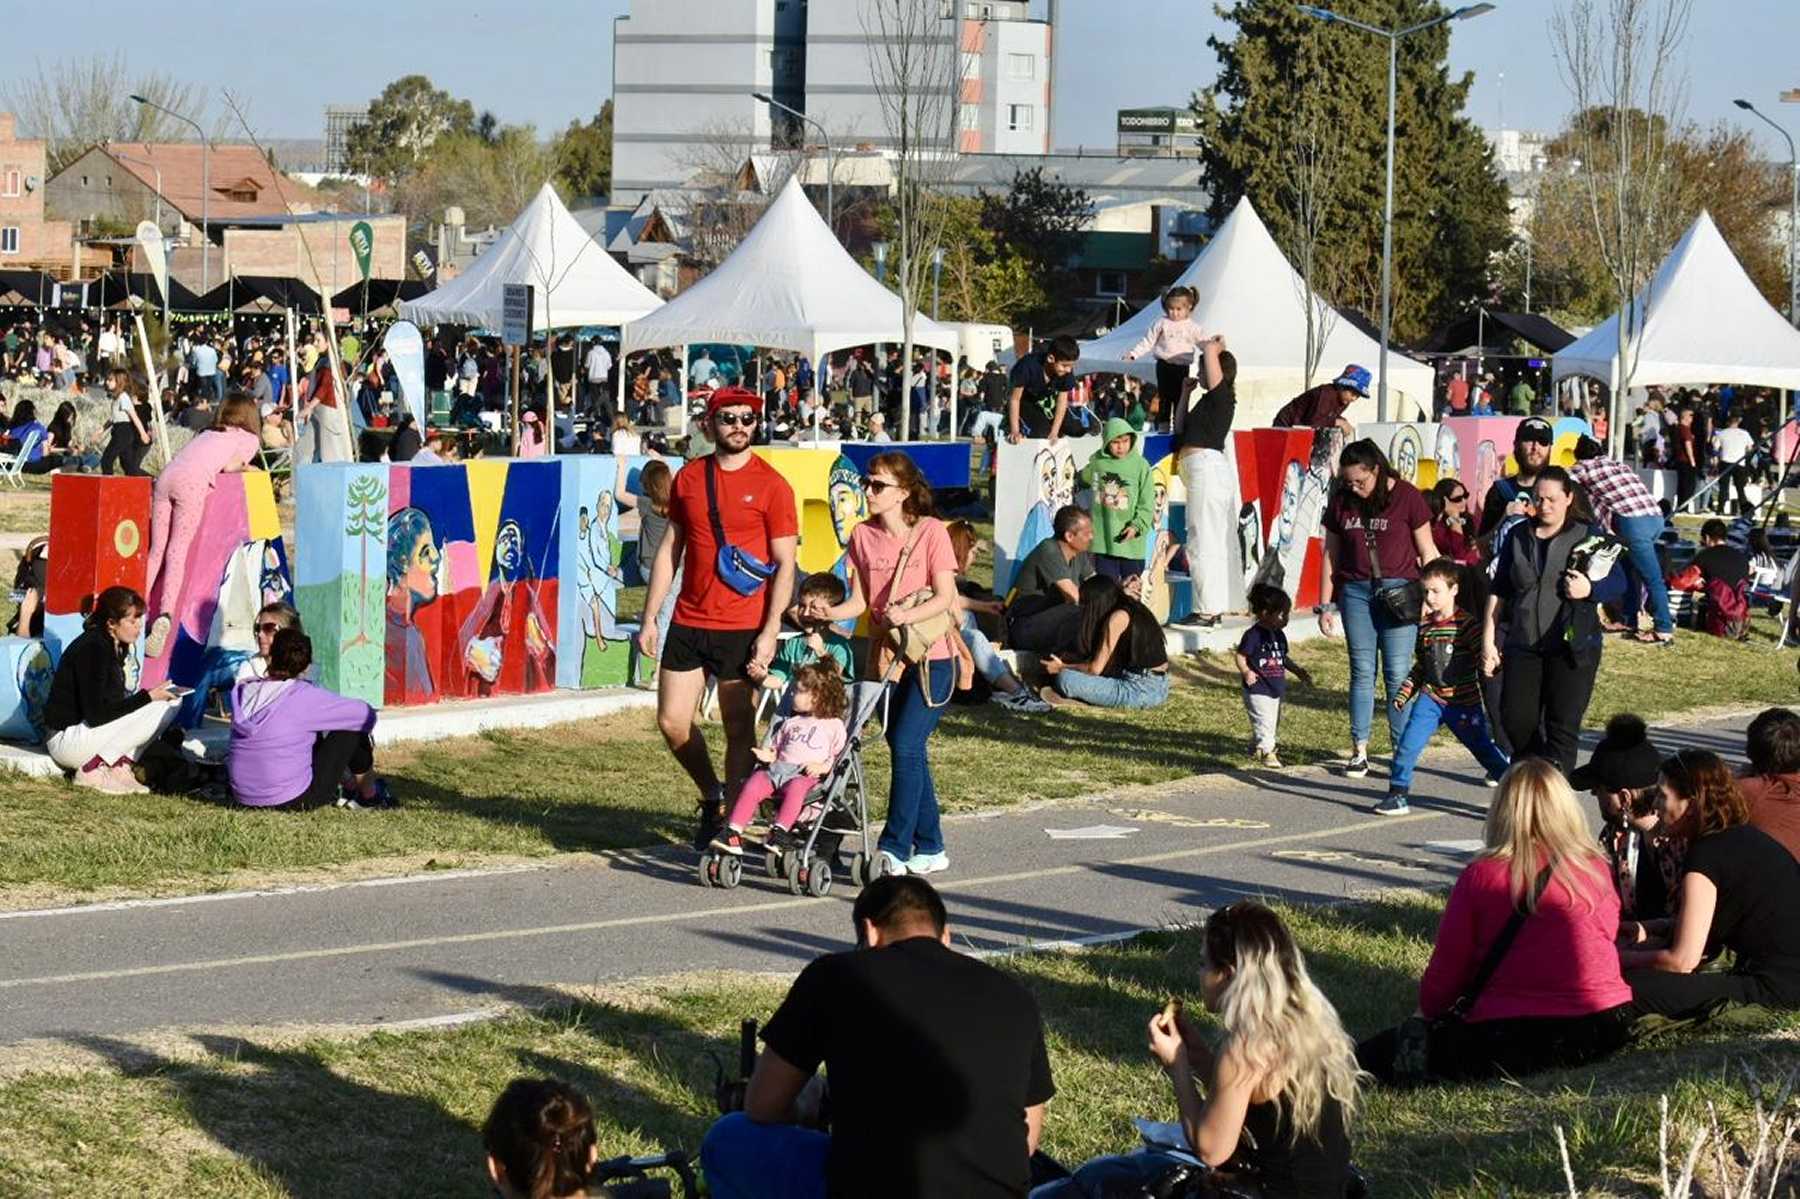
(1038, 217)
(584, 155)
(403, 124)
(1450, 205)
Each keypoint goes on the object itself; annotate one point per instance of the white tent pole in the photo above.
(683, 378)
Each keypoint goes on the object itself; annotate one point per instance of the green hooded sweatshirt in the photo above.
(1124, 495)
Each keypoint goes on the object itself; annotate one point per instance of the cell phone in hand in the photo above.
(178, 692)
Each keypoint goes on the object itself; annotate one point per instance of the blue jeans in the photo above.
(912, 818)
(746, 1160)
(1133, 689)
(218, 669)
(1116, 1176)
(1370, 632)
(1469, 723)
(1639, 533)
(988, 662)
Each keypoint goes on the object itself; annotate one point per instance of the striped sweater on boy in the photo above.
(1448, 661)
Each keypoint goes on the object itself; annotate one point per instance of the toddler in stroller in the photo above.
(805, 746)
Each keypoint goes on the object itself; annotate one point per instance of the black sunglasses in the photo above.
(735, 420)
(270, 628)
(875, 486)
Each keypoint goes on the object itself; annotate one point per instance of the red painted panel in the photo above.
(99, 538)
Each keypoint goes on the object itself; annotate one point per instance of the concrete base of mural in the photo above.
(403, 726)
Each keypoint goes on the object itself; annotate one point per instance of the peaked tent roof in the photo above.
(1703, 321)
(1249, 293)
(789, 285)
(575, 281)
(1495, 329)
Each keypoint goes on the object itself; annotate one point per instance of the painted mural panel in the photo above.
(1411, 446)
(99, 534)
(945, 464)
(1482, 446)
(592, 649)
(25, 674)
(1032, 480)
(343, 573)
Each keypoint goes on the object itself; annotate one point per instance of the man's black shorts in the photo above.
(721, 653)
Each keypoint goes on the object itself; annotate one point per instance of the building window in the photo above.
(84, 181)
(1018, 117)
(971, 66)
(1109, 283)
(1021, 66)
(971, 117)
(9, 240)
(13, 184)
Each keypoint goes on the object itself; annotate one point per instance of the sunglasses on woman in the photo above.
(876, 486)
(271, 628)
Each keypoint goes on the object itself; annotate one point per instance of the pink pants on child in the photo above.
(759, 786)
(175, 512)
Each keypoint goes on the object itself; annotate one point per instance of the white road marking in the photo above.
(1092, 832)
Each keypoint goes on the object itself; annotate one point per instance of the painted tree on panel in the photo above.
(368, 518)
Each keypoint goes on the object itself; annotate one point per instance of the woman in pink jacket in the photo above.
(179, 499)
(1550, 994)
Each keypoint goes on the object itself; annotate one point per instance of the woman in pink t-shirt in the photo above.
(179, 498)
(1555, 997)
(883, 577)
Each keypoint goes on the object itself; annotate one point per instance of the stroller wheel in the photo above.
(731, 871)
(709, 868)
(772, 863)
(796, 880)
(859, 870)
(818, 881)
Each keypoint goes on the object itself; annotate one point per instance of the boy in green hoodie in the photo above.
(1124, 502)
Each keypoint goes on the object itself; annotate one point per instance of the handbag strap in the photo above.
(912, 539)
(1497, 951)
(712, 505)
(1375, 575)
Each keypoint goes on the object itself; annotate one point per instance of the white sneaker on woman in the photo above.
(99, 778)
(891, 864)
(126, 781)
(927, 863)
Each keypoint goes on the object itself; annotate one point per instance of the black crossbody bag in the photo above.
(1413, 1038)
(1402, 603)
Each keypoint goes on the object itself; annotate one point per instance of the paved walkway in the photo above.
(438, 946)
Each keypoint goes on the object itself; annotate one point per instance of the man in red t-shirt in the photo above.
(725, 623)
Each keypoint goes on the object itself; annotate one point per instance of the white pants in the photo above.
(1265, 718)
(325, 437)
(1211, 494)
(121, 740)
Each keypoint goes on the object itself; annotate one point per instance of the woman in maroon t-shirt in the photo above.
(1373, 506)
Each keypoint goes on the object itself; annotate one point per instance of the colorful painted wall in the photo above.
(1411, 446)
(828, 490)
(99, 538)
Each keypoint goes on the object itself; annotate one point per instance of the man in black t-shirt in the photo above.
(1040, 390)
(1043, 614)
(1719, 560)
(936, 1063)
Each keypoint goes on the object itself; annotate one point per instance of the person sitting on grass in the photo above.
(1646, 859)
(1280, 1085)
(805, 746)
(936, 1063)
(1262, 659)
(1523, 975)
(1739, 890)
(292, 742)
(1444, 687)
(974, 601)
(817, 641)
(1125, 661)
(97, 727)
(1771, 784)
(1043, 614)
(540, 1141)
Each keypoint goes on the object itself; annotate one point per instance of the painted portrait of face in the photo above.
(1065, 482)
(1449, 453)
(1403, 452)
(603, 507)
(1161, 503)
(1487, 469)
(413, 557)
(1290, 503)
(509, 551)
(272, 581)
(1047, 471)
(849, 506)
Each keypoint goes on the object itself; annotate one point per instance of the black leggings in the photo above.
(124, 448)
(1481, 1049)
(1690, 996)
(333, 753)
(1543, 697)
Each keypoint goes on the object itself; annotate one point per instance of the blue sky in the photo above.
(548, 61)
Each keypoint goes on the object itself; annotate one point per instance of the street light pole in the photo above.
(880, 249)
(146, 162)
(937, 274)
(830, 157)
(1793, 212)
(1393, 37)
(205, 189)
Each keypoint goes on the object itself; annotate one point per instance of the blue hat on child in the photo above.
(1355, 378)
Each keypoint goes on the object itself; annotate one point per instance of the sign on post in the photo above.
(515, 314)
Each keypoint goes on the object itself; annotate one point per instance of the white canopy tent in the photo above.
(1701, 320)
(575, 281)
(789, 285)
(1249, 293)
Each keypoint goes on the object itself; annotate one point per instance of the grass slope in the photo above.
(398, 1113)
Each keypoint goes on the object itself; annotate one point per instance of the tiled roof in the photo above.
(236, 170)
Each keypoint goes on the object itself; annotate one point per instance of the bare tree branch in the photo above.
(76, 103)
(1309, 169)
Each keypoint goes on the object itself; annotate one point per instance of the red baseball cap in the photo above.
(732, 397)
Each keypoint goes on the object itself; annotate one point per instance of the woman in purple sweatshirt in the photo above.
(292, 741)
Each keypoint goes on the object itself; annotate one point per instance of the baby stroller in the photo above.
(837, 808)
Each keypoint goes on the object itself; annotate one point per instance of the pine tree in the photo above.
(1450, 204)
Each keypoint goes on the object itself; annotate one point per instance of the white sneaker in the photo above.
(100, 779)
(126, 782)
(891, 864)
(927, 863)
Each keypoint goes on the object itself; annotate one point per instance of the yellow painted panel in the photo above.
(259, 506)
(487, 487)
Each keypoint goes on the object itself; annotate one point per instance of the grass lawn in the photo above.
(610, 784)
(398, 1113)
